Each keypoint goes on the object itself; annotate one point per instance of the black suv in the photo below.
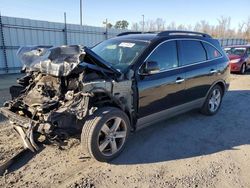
(118, 86)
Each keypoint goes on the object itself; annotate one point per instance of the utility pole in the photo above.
(80, 12)
(143, 23)
(106, 26)
(65, 29)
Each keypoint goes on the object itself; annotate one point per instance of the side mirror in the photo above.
(151, 67)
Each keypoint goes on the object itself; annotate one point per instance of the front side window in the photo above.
(212, 52)
(120, 53)
(192, 51)
(165, 55)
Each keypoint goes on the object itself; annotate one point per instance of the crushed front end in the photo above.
(61, 88)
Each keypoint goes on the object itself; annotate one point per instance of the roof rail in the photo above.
(167, 33)
(128, 33)
(134, 32)
(178, 32)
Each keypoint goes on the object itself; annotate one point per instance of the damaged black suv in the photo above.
(118, 86)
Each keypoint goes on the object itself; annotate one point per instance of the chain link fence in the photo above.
(231, 41)
(16, 32)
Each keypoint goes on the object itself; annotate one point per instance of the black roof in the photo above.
(144, 36)
(148, 36)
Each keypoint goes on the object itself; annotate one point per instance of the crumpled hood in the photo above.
(58, 61)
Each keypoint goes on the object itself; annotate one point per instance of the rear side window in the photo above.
(212, 52)
(165, 55)
(192, 51)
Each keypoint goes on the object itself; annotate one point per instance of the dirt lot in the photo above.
(191, 150)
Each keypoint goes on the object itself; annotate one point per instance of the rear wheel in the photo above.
(213, 101)
(105, 133)
(243, 68)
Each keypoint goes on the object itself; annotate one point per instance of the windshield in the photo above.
(120, 53)
(235, 51)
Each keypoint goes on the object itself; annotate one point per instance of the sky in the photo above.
(96, 11)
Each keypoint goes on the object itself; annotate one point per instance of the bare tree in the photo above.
(181, 27)
(160, 24)
(135, 27)
(246, 32)
(172, 26)
(223, 26)
(221, 30)
(203, 26)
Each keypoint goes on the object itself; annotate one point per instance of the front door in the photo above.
(165, 89)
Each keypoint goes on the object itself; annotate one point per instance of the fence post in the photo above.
(65, 29)
(3, 46)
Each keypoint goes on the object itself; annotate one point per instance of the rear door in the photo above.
(200, 70)
(163, 90)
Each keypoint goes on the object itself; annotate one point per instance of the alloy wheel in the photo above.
(243, 69)
(112, 136)
(215, 100)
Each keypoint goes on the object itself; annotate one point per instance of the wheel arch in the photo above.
(113, 102)
(220, 83)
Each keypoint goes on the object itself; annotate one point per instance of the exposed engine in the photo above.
(48, 99)
(58, 93)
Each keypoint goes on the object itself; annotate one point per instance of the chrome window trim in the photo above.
(183, 66)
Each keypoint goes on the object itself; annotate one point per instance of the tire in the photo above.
(105, 134)
(243, 68)
(213, 101)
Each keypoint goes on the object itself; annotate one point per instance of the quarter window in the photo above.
(192, 52)
(211, 51)
(165, 55)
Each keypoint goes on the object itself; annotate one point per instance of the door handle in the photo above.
(212, 71)
(179, 80)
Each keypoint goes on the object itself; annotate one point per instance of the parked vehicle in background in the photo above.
(239, 56)
(118, 86)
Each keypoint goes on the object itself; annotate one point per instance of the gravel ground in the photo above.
(190, 150)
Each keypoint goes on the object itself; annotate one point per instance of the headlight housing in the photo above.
(235, 60)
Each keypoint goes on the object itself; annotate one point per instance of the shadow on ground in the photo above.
(23, 159)
(192, 134)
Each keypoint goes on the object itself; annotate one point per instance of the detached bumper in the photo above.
(16, 119)
(24, 127)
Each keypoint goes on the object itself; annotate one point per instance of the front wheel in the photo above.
(213, 101)
(243, 68)
(105, 133)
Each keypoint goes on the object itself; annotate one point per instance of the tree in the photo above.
(246, 31)
(109, 25)
(220, 30)
(160, 24)
(223, 26)
(135, 27)
(121, 24)
(172, 26)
